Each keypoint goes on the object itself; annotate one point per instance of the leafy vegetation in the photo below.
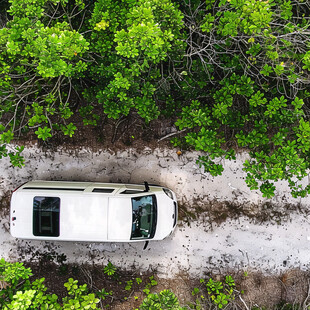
(253, 89)
(110, 269)
(219, 294)
(19, 290)
(233, 72)
(22, 293)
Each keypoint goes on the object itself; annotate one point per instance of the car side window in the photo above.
(103, 190)
(46, 213)
(132, 191)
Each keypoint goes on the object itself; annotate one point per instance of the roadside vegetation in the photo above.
(20, 288)
(234, 74)
(19, 291)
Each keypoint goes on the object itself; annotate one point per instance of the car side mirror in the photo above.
(147, 188)
(145, 245)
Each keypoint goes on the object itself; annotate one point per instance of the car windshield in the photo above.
(144, 216)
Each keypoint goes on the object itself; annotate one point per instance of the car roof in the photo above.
(89, 211)
(69, 186)
(84, 187)
(83, 215)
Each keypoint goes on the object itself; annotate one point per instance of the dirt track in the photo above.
(277, 243)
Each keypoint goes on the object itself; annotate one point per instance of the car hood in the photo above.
(165, 216)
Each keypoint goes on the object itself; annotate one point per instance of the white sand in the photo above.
(234, 244)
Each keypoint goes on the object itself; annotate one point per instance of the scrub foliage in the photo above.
(234, 73)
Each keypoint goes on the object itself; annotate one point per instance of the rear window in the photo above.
(46, 212)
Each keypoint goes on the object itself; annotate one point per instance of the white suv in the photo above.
(98, 212)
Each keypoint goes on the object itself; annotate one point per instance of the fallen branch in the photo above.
(245, 305)
(171, 134)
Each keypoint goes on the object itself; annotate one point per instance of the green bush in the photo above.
(22, 293)
(234, 72)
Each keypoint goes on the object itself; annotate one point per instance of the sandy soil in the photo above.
(202, 242)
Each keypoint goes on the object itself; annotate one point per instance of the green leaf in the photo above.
(43, 133)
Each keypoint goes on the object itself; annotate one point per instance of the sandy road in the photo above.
(239, 243)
